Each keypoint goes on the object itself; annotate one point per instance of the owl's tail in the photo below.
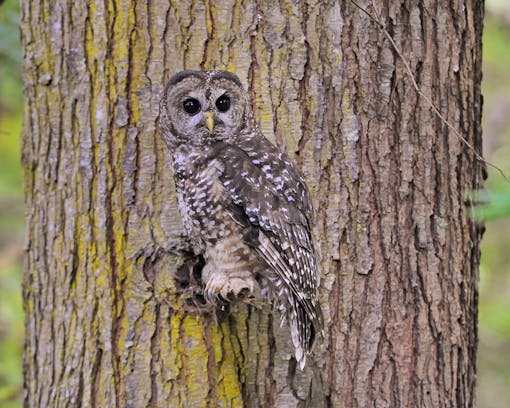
(305, 323)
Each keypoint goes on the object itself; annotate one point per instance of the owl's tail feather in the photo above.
(303, 330)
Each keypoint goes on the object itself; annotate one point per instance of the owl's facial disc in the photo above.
(204, 107)
(208, 114)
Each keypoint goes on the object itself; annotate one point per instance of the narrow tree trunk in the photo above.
(106, 323)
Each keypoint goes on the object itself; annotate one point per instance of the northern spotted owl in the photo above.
(244, 204)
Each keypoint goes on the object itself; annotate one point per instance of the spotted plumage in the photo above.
(244, 205)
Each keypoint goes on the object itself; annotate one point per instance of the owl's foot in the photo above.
(229, 288)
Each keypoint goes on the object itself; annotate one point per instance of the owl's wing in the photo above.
(271, 201)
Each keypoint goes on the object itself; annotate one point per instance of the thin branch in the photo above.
(377, 20)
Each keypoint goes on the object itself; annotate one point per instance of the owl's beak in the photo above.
(209, 120)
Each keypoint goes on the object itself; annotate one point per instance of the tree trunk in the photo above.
(107, 320)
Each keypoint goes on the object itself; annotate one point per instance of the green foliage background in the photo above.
(494, 316)
(494, 321)
(11, 208)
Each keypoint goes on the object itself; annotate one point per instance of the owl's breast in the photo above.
(202, 201)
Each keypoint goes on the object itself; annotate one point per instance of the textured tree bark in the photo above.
(106, 324)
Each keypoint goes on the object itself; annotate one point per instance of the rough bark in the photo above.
(390, 182)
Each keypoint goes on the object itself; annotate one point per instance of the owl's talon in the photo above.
(224, 289)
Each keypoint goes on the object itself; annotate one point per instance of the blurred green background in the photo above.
(11, 208)
(494, 352)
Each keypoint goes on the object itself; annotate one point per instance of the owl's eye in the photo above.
(223, 103)
(191, 106)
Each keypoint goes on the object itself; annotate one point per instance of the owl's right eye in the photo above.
(191, 106)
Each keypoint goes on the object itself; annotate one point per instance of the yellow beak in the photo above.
(210, 120)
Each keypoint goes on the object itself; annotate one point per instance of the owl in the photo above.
(245, 206)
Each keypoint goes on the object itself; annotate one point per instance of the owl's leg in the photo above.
(227, 285)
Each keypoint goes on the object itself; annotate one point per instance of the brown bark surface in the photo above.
(390, 182)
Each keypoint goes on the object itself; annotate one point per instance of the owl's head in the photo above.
(202, 107)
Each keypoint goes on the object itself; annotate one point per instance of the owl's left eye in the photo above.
(191, 106)
(223, 103)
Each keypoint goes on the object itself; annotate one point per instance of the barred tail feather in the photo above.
(303, 330)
